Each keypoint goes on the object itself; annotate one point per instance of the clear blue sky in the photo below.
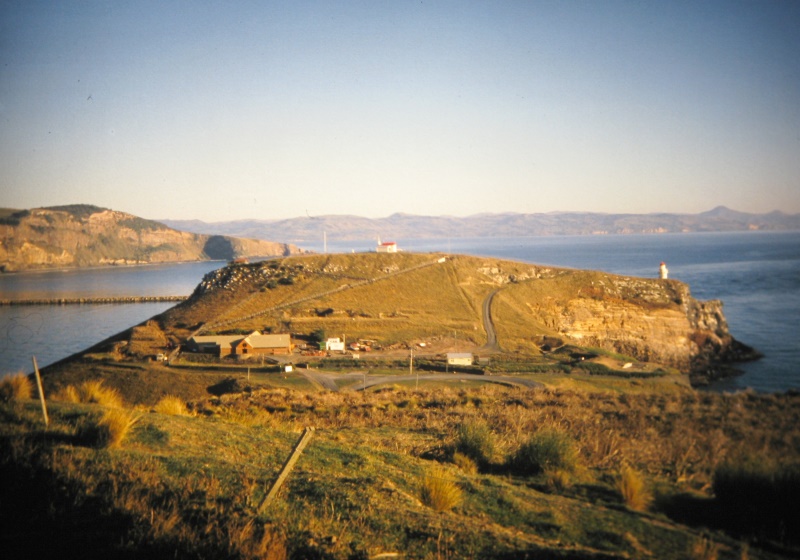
(232, 110)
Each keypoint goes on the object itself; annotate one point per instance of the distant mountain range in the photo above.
(408, 226)
(82, 235)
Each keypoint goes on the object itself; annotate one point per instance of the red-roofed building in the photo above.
(387, 247)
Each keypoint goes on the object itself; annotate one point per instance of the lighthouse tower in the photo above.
(662, 271)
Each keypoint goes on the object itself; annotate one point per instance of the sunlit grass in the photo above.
(16, 387)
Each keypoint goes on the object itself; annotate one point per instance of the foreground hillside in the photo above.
(576, 435)
(84, 235)
(437, 472)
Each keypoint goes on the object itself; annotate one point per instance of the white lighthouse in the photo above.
(662, 271)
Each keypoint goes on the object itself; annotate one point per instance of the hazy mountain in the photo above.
(409, 226)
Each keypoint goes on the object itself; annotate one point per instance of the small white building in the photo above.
(386, 247)
(459, 359)
(334, 345)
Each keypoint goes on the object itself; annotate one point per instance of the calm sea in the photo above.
(53, 332)
(755, 274)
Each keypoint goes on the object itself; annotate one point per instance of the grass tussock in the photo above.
(91, 392)
(68, 394)
(16, 387)
(546, 451)
(465, 463)
(95, 392)
(171, 405)
(633, 489)
(560, 480)
(109, 430)
(439, 491)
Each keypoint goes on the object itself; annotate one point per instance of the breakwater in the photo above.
(93, 300)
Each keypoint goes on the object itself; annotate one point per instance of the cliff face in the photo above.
(652, 320)
(82, 235)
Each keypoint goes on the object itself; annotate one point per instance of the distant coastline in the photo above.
(409, 226)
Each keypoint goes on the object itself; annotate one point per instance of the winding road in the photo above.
(328, 380)
(488, 325)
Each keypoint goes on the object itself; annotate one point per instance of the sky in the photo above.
(268, 110)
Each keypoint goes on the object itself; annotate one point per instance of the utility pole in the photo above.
(411, 366)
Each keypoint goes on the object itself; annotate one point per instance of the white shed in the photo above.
(334, 345)
(459, 359)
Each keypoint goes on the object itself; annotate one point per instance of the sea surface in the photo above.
(755, 274)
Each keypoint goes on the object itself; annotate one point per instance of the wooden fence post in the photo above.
(41, 391)
(287, 467)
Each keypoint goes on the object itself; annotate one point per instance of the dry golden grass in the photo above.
(16, 387)
(704, 548)
(171, 405)
(94, 392)
(633, 489)
(68, 394)
(110, 430)
(464, 463)
(559, 479)
(438, 491)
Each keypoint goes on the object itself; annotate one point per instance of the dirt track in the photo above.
(328, 380)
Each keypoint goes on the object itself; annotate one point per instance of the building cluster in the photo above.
(254, 343)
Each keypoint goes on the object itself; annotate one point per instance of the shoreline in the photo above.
(92, 300)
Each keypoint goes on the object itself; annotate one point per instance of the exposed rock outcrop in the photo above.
(651, 320)
(84, 235)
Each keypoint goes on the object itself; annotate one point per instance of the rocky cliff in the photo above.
(651, 320)
(84, 235)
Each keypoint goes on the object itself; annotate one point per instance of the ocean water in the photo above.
(755, 274)
(53, 332)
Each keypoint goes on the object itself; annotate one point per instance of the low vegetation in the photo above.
(439, 491)
(632, 488)
(171, 405)
(546, 451)
(93, 392)
(442, 472)
(16, 387)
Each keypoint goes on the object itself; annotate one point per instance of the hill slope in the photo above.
(401, 299)
(84, 235)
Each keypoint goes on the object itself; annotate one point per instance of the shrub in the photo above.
(171, 405)
(109, 430)
(547, 450)
(476, 441)
(439, 492)
(17, 387)
(632, 489)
